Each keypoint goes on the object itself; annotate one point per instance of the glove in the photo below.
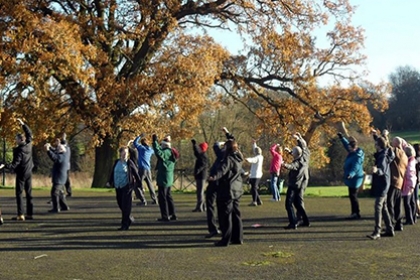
(154, 137)
(340, 135)
(193, 141)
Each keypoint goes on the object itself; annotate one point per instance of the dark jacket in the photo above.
(133, 174)
(59, 170)
(229, 177)
(22, 162)
(381, 180)
(201, 163)
(134, 155)
(297, 170)
(306, 157)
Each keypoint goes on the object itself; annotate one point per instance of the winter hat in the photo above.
(167, 138)
(165, 144)
(203, 146)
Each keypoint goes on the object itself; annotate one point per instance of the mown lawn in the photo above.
(84, 243)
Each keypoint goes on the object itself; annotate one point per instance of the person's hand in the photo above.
(385, 132)
(20, 121)
(193, 141)
(64, 137)
(154, 137)
(373, 131)
(47, 146)
(1, 166)
(374, 169)
(340, 135)
(142, 135)
(225, 130)
(297, 136)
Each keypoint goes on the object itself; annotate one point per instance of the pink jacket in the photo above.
(410, 177)
(276, 161)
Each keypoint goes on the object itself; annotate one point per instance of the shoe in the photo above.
(398, 227)
(374, 236)
(236, 242)
(123, 228)
(173, 218)
(302, 224)
(388, 234)
(213, 234)
(274, 200)
(253, 204)
(353, 216)
(290, 226)
(29, 217)
(220, 244)
(162, 220)
(65, 209)
(154, 202)
(54, 211)
(19, 218)
(260, 202)
(1, 221)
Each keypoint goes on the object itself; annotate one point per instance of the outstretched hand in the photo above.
(20, 121)
(225, 130)
(154, 137)
(193, 141)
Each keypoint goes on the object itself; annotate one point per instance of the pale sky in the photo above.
(392, 35)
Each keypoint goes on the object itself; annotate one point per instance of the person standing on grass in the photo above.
(410, 180)
(134, 156)
(416, 189)
(381, 181)
(59, 177)
(256, 173)
(353, 172)
(165, 166)
(22, 165)
(229, 192)
(145, 153)
(277, 160)
(200, 172)
(67, 185)
(123, 178)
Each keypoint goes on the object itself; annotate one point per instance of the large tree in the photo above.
(122, 65)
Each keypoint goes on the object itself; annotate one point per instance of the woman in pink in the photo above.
(409, 184)
(276, 162)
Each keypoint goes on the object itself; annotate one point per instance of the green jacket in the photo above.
(165, 165)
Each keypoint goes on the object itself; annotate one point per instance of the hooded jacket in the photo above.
(229, 177)
(381, 180)
(22, 162)
(353, 165)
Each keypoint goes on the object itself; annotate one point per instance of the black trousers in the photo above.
(292, 199)
(354, 201)
(166, 203)
(124, 201)
(68, 184)
(24, 183)
(408, 208)
(211, 194)
(254, 189)
(58, 197)
(394, 201)
(230, 220)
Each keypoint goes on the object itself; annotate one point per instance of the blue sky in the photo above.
(392, 35)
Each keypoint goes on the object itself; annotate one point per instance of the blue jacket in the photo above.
(353, 166)
(144, 154)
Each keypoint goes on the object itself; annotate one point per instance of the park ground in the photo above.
(84, 243)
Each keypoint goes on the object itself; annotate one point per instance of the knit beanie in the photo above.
(203, 146)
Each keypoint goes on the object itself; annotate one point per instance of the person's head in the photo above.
(165, 144)
(380, 143)
(296, 152)
(397, 142)
(20, 139)
(231, 146)
(409, 151)
(257, 151)
(352, 143)
(61, 148)
(203, 146)
(143, 141)
(279, 149)
(57, 142)
(123, 153)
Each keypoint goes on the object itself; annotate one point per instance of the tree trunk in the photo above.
(105, 156)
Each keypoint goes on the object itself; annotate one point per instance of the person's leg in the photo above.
(126, 203)
(28, 194)
(199, 207)
(407, 209)
(379, 205)
(224, 208)
(257, 195)
(398, 209)
(62, 199)
(171, 205)
(147, 176)
(289, 208)
(163, 205)
(210, 209)
(387, 219)
(55, 193)
(253, 183)
(391, 204)
(300, 209)
(273, 187)
(20, 185)
(237, 226)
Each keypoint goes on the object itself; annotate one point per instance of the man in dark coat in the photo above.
(22, 164)
(59, 177)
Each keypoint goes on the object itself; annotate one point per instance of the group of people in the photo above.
(395, 181)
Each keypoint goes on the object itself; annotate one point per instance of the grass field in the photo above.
(83, 243)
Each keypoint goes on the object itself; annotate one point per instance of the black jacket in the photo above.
(201, 164)
(297, 170)
(229, 176)
(59, 170)
(22, 162)
(381, 180)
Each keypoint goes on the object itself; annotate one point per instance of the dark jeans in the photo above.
(146, 175)
(354, 201)
(230, 220)
(211, 194)
(124, 200)
(24, 183)
(58, 198)
(68, 184)
(394, 201)
(166, 203)
(200, 194)
(409, 204)
(254, 190)
(292, 199)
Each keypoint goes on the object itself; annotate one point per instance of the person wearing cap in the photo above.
(297, 169)
(255, 173)
(200, 172)
(166, 159)
(59, 177)
(22, 165)
(353, 172)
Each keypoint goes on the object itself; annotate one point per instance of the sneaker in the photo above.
(290, 226)
(173, 218)
(374, 236)
(253, 204)
(388, 234)
(260, 202)
(19, 218)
